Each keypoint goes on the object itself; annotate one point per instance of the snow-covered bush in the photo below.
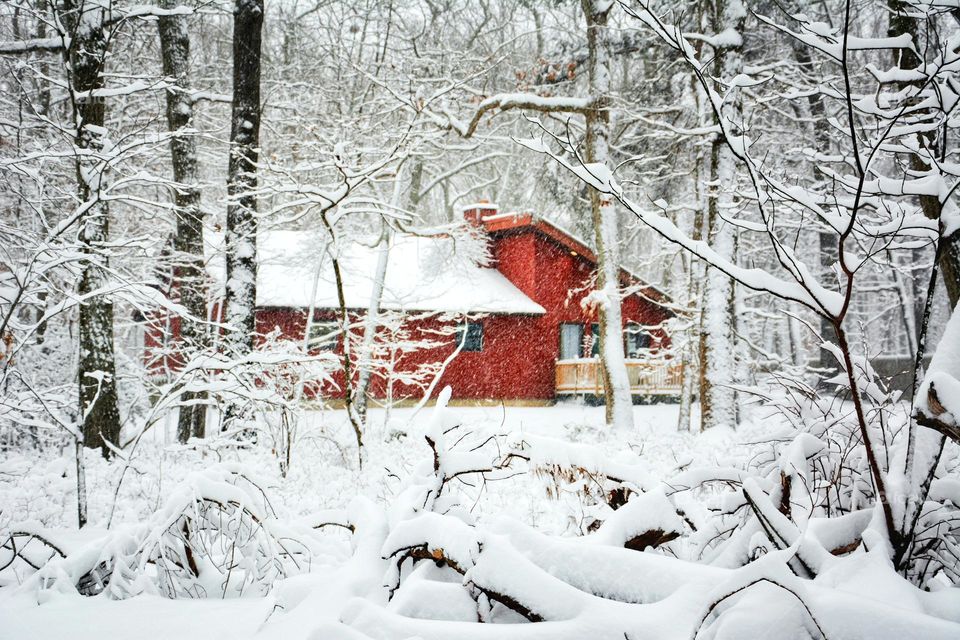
(581, 476)
(216, 535)
(469, 573)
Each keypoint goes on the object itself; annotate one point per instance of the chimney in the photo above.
(475, 213)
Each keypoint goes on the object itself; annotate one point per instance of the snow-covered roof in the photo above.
(423, 274)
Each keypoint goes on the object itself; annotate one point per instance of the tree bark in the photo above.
(371, 322)
(902, 21)
(616, 384)
(827, 238)
(241, 235)
(924, 446)
(691, 352)
(86, 57)
(717, 397)
(188, 242)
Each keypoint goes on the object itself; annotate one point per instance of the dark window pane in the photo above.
(637, 341)
(473, 341)
(595, 340)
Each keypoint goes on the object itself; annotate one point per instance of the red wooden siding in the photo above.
(519, 352)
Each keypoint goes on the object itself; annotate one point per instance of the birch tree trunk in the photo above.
(717, 398)
(188, 242)
(241, 235)
(616, 384)
(86, 57)
(371, 321)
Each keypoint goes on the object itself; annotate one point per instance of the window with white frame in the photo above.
(571, 340)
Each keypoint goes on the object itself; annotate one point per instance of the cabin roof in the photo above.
(423, 274)
(516, 222)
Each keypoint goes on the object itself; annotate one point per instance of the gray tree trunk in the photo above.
(924, 446)
(241, 235)
(86, 57)
(188, 242)
(828, 245)
(717, 362)
(616, 384)
(902, 21)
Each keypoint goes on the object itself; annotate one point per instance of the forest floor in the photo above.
(41, 488)
(38, 490)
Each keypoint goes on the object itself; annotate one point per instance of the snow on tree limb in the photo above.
(938, 398)
(805, 291)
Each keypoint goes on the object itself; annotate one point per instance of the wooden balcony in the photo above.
(648, 377)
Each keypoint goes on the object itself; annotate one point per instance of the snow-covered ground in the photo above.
(324, 474)
(514, 515)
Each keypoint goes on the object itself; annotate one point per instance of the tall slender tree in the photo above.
(241, 234)
(85, 57)
(717, 363)
(188, 241)
(616, 384)
(903, 20)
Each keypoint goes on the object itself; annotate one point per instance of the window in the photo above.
(594, 340)
(323, 336)
(473, 340)
(571, 340)
(575, 342)
(637, 341)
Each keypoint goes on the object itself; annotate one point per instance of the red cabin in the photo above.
(512, 330)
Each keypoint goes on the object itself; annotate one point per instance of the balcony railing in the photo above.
(653, 377)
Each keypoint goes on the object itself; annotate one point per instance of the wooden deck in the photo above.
(648, 377)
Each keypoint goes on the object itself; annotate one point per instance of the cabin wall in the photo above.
(501, 370)
(558, 279)
(515, 256)
(518, 360)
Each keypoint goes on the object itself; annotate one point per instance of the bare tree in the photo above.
(188, 239)
(241, 233)
(86, 56)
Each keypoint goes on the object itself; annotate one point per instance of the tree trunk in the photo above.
(691, 350)
(241, 235)
(371, 321)
(616, 384)
(98, 388)
(188, 242)
(81, 486)
(924, 446)
(827, 237)
(717, 398)
(902, 21)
